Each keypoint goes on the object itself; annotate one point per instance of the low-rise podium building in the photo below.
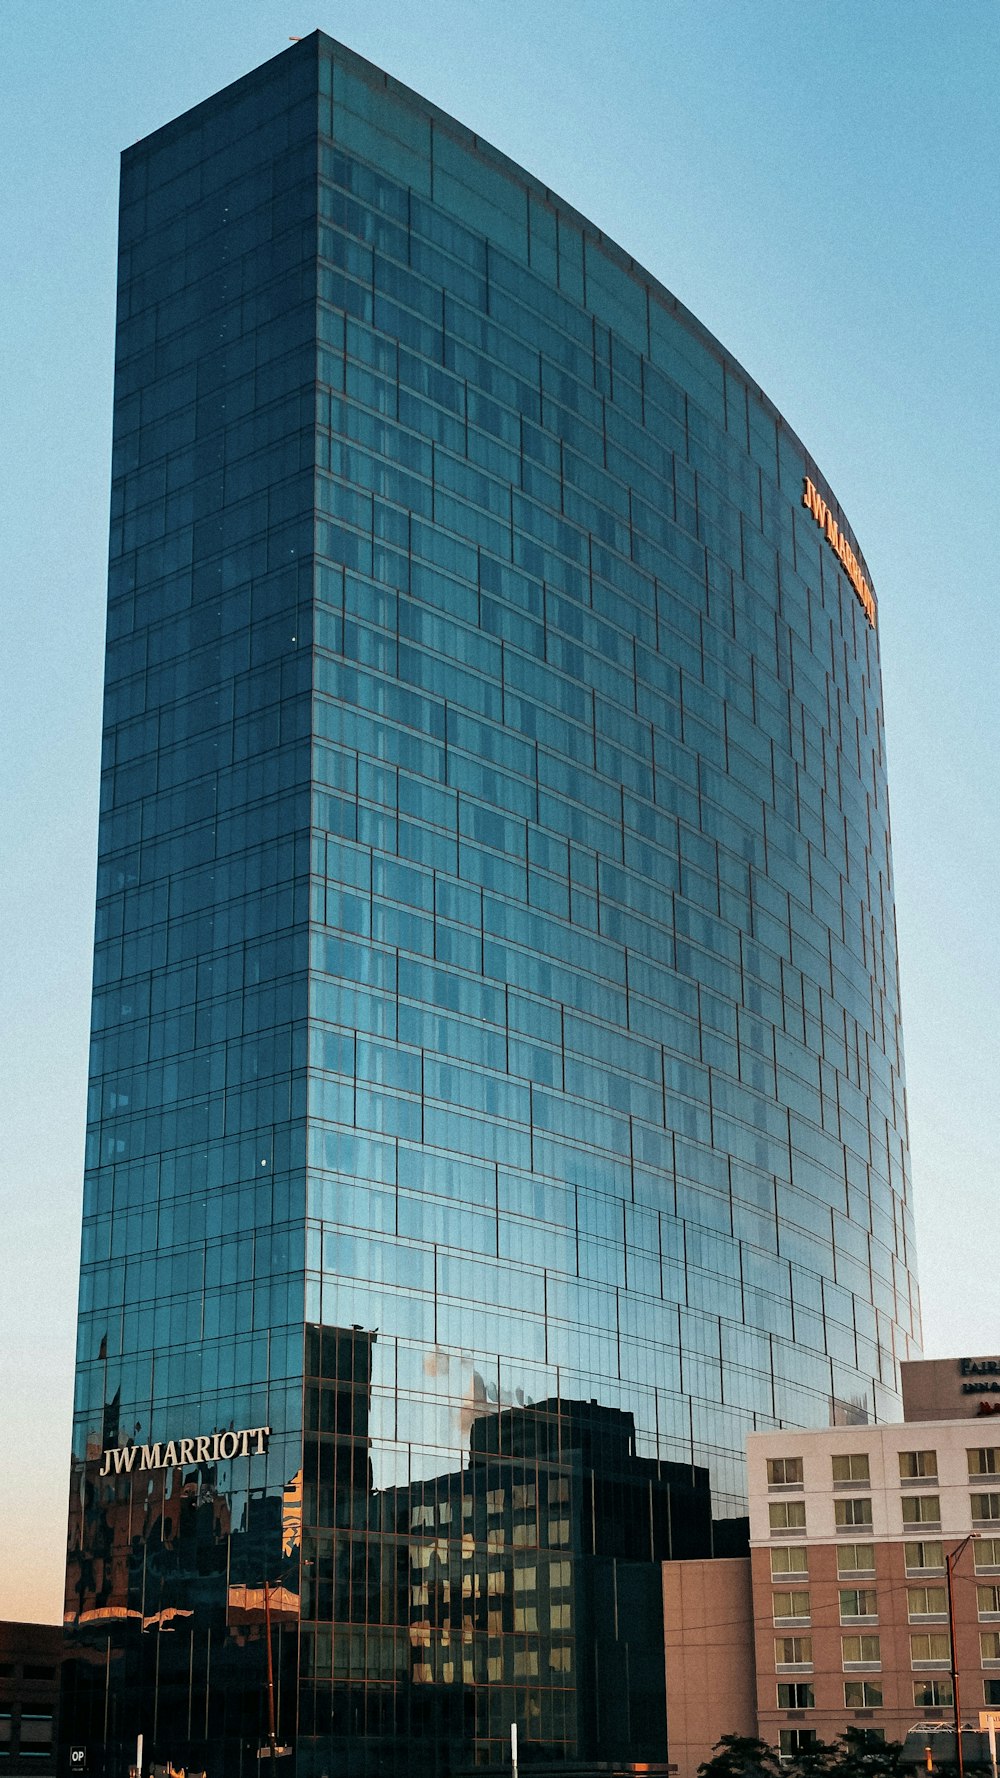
(844, 1611)
(30, 1658)
(850, 1532)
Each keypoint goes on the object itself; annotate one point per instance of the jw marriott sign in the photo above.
(217, 1447)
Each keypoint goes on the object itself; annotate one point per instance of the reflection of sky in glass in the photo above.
(495, 941)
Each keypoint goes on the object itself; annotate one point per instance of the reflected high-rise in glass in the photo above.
(497, 1088)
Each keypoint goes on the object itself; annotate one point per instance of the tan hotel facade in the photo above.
(840, 1616)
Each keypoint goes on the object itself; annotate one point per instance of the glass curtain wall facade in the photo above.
(497, 1100)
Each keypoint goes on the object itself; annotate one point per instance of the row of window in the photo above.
(789, 1516)
(853, 1468)
(931, 1648)
(862, 1602)
(793, 1742)
(791, 1561)
(866, 1694)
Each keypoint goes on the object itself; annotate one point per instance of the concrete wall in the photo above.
(709, 1646)
(947, 1442)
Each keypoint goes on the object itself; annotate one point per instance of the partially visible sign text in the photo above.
(838, 543)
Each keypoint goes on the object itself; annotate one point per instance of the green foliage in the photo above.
(741, 1756)
(858, 1754)
(854, 1754)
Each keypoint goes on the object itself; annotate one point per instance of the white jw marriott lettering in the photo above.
(209, 1448)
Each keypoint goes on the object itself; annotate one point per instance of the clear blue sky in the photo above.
(818, 181)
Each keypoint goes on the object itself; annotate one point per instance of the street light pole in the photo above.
(949, 1563)
(271, 1749)
(271, 1737)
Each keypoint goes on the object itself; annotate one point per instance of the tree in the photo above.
(857, 1753)
(741, 1756)
(860, 1754)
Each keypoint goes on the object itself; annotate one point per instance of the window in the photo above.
(988, 1600)
(786, 1517)
(989, 1647)
(849, 1513)
(791, 1559)
(985, 1509)
(858, 1602)
(918, 1466)
(861, 1651)
(921, 1509)
(991, 1693)
(796, 1696)
(6, 1730)
(987, 1553)
(856, 1558)
(792, 1742)
(924, 1558)
(862, 1694)
(931, 1649)
(851, 1468)
(789, 1606)
(36, 1732)
(926, 1602)
(984, 1461)
(792, 1651)
(784, 1472)
(932, 1694)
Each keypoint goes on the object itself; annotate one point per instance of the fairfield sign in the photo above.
(219, 1447)
(835, 537)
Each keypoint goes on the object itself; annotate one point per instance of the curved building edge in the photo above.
(379, 79)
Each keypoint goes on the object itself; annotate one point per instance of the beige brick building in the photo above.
(851, 1528)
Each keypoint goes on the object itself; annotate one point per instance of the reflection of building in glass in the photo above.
(545, 1551)
(165, 1606)
(523, 1586)
(494, 943)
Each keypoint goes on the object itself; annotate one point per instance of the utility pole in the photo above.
(949, 1563)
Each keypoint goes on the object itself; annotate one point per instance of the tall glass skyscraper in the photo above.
(497, 1100)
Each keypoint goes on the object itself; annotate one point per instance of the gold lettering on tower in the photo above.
(814, 502)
